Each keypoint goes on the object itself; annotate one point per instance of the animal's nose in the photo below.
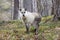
(23, 15)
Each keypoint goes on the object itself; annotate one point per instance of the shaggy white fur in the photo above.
(29, 16)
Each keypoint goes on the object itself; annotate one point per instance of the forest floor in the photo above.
(15, 30)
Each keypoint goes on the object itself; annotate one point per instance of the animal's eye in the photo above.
(24, 12)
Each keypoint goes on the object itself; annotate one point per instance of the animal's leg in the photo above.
(36, 24)
(36, 28)
(27, 27)
(26, 24)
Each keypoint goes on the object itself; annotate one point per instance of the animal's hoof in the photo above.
(34, 30)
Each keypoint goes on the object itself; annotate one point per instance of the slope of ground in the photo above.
(15, 30)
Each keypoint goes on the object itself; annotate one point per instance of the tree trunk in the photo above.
(56, 7)
(27, 4)
(16, 7)
(21, 3)
(34, 3)
(45, 7)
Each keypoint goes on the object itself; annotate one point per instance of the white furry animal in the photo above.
(30, 18)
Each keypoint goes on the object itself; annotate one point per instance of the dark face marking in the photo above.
(20, 9)
(23, 11)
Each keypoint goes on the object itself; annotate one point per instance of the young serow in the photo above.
(30, 19)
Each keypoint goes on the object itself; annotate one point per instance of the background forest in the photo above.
(13, 29)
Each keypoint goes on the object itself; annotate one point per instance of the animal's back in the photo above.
(30, 17)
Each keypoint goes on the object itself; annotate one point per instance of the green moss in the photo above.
(15, 30)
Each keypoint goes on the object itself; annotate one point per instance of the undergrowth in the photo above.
(15, 30)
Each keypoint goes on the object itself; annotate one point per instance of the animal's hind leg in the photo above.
(36, 24)
(36, 28)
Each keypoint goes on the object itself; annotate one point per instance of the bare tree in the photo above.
(44, 7)
(56, 7)
(16, 7)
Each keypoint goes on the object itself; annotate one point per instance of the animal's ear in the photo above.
(20, 9)
(25, 9)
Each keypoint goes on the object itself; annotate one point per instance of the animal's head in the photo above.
(23, 11)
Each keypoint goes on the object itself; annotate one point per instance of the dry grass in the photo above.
(15, 30)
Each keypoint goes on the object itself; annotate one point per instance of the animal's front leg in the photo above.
(27, 27)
